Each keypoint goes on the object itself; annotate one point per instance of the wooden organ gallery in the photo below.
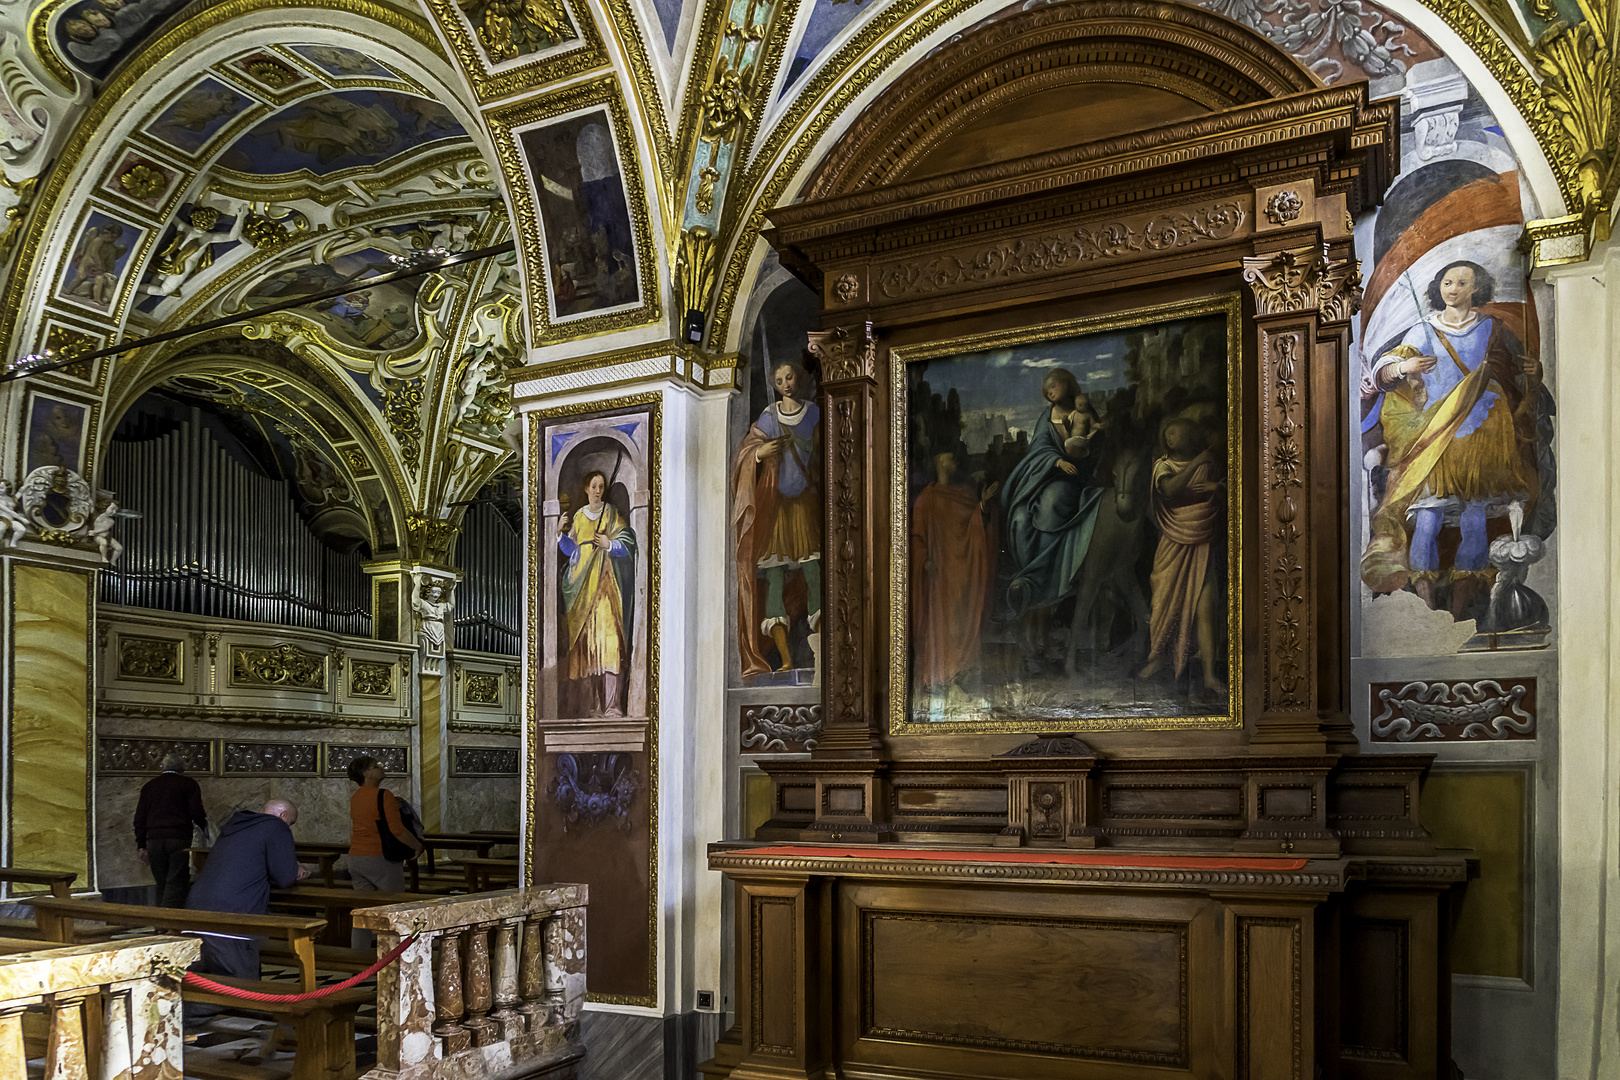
(890, 539)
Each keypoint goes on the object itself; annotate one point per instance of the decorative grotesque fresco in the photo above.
(193, 119)
(1067, 508)
(55, 435)
(340, 131)
(343, 63)
(381, 318)
(99, 263)
(590, 244)
(95, 35)
(1456, 410)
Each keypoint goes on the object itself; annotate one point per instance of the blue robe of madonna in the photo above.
(1050, 516)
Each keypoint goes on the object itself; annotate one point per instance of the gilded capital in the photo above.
(845, 352)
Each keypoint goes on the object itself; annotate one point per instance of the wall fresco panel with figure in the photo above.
(1454, 544)
(1457, 411)
(594, 535)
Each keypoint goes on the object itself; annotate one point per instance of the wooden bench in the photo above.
(337, 904)
(483, 874)
(323, 1028)
(323, 855)
(59, 883)
(480, 846)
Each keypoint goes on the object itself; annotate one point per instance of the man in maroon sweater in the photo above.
(168, 808)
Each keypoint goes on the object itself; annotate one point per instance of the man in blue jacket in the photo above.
(254, 853)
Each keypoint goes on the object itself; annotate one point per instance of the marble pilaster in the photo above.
(48, 816)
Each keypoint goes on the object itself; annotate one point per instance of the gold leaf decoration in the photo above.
(142, 181)
(695, 269)
(509, 29)
(1577, 82)
(272, 73)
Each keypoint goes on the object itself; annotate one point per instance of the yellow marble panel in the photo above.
(432, 751)
(50, 721)
(1484, 811)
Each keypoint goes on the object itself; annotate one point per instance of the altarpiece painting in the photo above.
(1066, 502)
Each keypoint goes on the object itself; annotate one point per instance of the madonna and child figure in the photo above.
(597, 586)
(1458, 401)
(1068, 564)
(776, 519)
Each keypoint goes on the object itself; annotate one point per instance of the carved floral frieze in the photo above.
(371, 680)
(1054, 252)
(285, 666)
(116, 756)
(484, 761)
(149, 659)
(271, 759)
(395, 759)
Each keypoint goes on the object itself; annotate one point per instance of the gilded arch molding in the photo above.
(894, 32)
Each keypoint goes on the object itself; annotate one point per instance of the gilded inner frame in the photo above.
(1103, 524)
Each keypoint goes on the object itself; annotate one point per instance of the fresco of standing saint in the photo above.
(597, 591)
(1458, 401)
(776, 520)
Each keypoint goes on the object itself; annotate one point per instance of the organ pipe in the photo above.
(216, 538)
(488, 611)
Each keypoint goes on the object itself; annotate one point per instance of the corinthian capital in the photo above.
(1297, 280)
(845, 352)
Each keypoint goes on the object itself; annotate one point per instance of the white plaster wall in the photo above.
(1588, 328)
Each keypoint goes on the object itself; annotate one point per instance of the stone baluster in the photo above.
(156, 1038)
(13, 1058)
(565, 964)
(532, 974)
(117, 1062)
(506, 981)
(66, 1056)
(448, 1006)
(477, 988)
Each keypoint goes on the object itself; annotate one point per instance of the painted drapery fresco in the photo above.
(1066, 528)
(590, 244)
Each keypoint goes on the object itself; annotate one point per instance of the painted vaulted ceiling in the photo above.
(163, 164)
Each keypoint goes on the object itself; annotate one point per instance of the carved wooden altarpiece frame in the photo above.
(1255, 198)
(840, 952)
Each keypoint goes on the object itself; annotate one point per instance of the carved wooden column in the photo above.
(1303, 300)
(850, 715)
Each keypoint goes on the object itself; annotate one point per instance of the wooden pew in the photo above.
(324, 855)
(337, 904)
(323, 1028)
(59, 883)
(483, 874)
(480, 846)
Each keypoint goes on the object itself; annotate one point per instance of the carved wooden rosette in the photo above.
(848, 357)
(1303, 299)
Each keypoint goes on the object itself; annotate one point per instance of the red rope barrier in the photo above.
(204, 983)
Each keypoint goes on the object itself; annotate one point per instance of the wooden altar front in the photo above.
(1247, 899)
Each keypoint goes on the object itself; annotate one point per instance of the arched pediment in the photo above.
(1057, 76)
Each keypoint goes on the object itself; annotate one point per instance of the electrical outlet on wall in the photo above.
(705, 1000)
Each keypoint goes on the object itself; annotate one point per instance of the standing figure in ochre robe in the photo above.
(1458, 403)
(1185, 494)
(776, 518)
(953, 566)
(598, 589)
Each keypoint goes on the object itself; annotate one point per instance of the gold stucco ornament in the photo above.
(141, 181)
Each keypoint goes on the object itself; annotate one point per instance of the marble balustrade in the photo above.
(491, 988)
(112, 1010)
